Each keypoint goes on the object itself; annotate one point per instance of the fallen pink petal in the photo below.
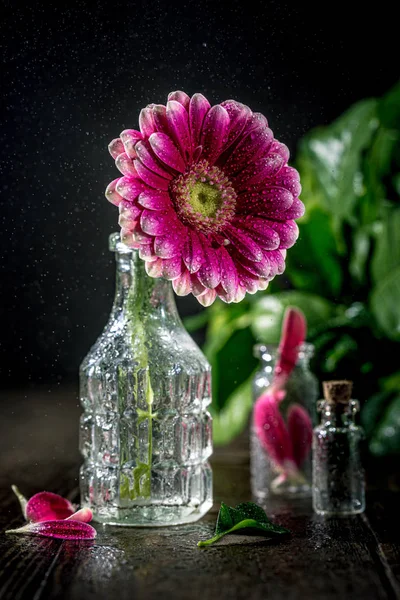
(46, 506)
(64, 530)
(84, 515)
(215, 177)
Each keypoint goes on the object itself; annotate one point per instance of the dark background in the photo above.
(75, 75)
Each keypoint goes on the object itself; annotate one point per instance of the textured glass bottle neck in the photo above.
(338, 415)
(140, 295)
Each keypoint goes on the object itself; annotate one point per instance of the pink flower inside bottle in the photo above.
(281, 434)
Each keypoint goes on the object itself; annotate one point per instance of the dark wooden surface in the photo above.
(355, 558)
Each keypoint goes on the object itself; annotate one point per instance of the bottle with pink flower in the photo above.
(207, 206)
(281, 432)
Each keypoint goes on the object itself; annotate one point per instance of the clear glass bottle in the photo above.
(338, 474)
(146, 433)
(267, 477)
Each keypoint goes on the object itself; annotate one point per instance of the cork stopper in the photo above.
(338, 392)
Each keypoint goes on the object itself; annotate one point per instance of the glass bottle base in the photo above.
(151, 516)
(345, 513)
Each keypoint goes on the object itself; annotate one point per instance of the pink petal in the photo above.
(128, 239)
(129, 188)
(154, 268)
(115, 147)
(172, 267)
(271, 429)
(248, 281)
(266, 237)
(146, 121)
(229, 276)
(277, 262)
(214, 133)
(84, 515)
(46, 506)
(243, 243)
(112, 194)
(288, 232)
(182, 284)
(254, 145)
(198, 108)
(269, 201)
(239, 114)
(155, 200)
(140, 237)
(64, 530)
(258, 172)
(166, 151)
(147, 158)
(207, 298)
(260, 268)
(209, 273)
(180, 97)
(294, 212)
(160, 118)
(149, 177)
(197, 287)
(21, 499)
(178, 121)
(129, 214)
(125, 165)
(294, 331)
(129, 138)
(254, 122)
(146, 252)
(300, 431)
(157, 222)
(168, 245)
(281, 150)
(193, 254)
(289, 178)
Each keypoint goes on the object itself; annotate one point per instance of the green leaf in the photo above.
(334, 155)
(389, 108)
(195, 322)
(386, 437)
(385, 304)
(372, 411)
(315, 259)
(232, 418)
(267, 313)
(245, 516)
(387, 254)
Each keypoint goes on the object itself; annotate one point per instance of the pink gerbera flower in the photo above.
(206, 196)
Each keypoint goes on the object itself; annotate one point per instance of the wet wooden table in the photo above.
(355, 558)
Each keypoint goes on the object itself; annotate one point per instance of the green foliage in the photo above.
(246, 516)
(344, 272)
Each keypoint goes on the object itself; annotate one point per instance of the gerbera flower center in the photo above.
(204, 197)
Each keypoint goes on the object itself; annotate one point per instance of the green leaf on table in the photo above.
(267, 313)
(385, 304)
(246, 516)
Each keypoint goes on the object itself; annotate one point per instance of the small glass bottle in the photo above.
(267, 477)
(145, 389)
(338, 475)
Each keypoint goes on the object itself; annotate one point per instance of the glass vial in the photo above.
(338, 475)
(145, 389)
(268, 477)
